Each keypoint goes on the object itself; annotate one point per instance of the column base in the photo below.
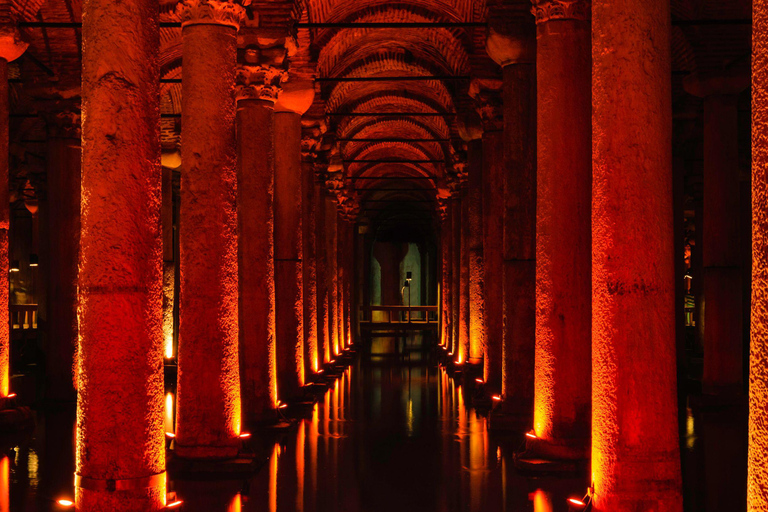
(544, 457)
(150, 499)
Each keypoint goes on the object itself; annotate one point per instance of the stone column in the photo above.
(635, 446)
(331, 275)
(562, 396)
(511, 43)
(489, 107)
(208, 401)
(456, 252)
(340, 280)
(61, 251)
(446, 271)
(323, 326)
(757, 479)
(11, 48)
(120, 442)
(721, 254)
(257, 87)
(462, 344)
(289, 291)
(309, 263)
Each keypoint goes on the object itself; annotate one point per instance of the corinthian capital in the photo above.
(212, 12)
(546, 10)
(259, 82)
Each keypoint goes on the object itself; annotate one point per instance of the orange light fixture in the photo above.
(65, 503)
(577, 502)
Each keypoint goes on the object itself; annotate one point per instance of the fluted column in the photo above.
(757, 479)
(12, 47)
(60, 249)
(208, 400)
(258, 84)
(635, 446)
(511, 43)
(563, 316)
(120, 442)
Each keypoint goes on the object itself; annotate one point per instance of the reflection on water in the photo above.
(394, 432)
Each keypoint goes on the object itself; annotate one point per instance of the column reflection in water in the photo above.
(5, 475)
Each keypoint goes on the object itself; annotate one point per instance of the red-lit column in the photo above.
(635, 447)
(446, 271)
(341, 276)
(492, 184)
(721, 250)
(257, 89)
(511, 43)
(474, 352)
(11, 48)
(309, 263)
(474, 160)
(331, 275)
(289, 291)
(120, 442)
(61, 249)
(562, 395)
(456, 252)
(323, 326)
(208, 404)
(757, 479)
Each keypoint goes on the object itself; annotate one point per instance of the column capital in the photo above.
(212, 12)
(548, 10)
(64, 123)
(12, 42)
(487, 95)
(259, 82)
(349, 204)
(511, 35)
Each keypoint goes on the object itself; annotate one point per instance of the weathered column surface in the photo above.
(635, 447)
(62, 247)
(492, 231)
(456, 252)
(257, 89)
(309, 264)
(331, 275)
(340, 280)
(446, 272)
(120, 440)
(477, 331)
(289, 290)
(11, 48)
(757, 480)
(511, 43)
(323, 325)
(462, 343)
(721, 250)
(562, 395)
(208, 400)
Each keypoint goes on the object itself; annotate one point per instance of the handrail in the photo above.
(23, 316)
(399, 315)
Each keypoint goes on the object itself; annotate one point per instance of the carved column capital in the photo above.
(511, 35)
(547, 10)
(488, 102)
(64, 124)
(259, 82)
(212, 12)
(12, 42)
(349, 205)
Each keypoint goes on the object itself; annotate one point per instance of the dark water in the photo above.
(394, 433)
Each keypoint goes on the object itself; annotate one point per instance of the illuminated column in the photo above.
(511, 43)
(62, 246)
(309, 260)
(120, 442)
(446, 271)
(169, 267)
(11, 48)
(323, 325)
(472, 319)
(456, 252)
(289, 291)
(562, 395)
(331, 275)
(340, 279)
(757, 480)
(208, 403)
(257, 88)
(635, 452)
(721, 250)
(492, 182)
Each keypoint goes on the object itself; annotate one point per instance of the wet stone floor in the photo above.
(394, 433)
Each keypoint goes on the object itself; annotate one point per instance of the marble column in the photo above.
(208, 399)
(12, 46)
(477, 330)
(323, 325)
(757, 479)
(289, 288)
(258, 85)
(511, 43)
(635, 445)
(562, 396)
(120, 445)
(61, 247)
(721, 248)
(489, 106)
(309, 264)
(331, 275)
(446, 271)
